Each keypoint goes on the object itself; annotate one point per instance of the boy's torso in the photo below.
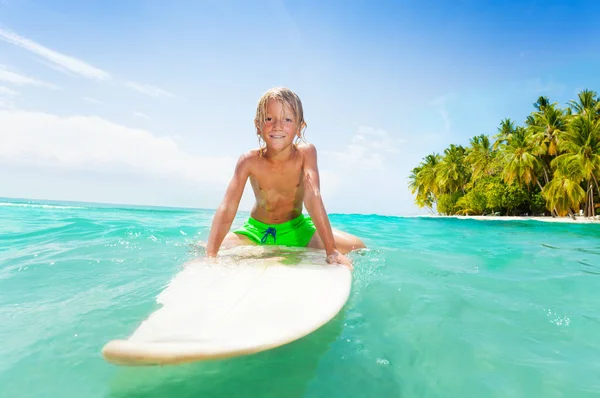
(278, 188)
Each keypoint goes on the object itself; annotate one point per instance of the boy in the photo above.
(284, 177)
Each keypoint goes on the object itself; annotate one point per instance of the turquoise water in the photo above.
(439, 308)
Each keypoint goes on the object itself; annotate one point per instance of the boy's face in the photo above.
(280, 127)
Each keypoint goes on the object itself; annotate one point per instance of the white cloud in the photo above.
(148, 90)
(6, 103)
(142, 116)
(66, 64)
(355, 175)
(6, 97)
(21, 80)
(93, 100)
(64, 61)
(331, 183)
(367, 150)
(91, 143)
(7, 92)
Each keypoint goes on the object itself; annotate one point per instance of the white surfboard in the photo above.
(253, 299)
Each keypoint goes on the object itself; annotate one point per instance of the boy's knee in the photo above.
(358, 244)
(353, 243)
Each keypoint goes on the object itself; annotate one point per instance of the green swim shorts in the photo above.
(297, 232)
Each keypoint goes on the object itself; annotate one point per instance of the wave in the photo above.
(39, 206)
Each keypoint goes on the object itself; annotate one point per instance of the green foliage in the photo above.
(564, 193)
(552, 163)
(491, 195)
(452, 173)
(513, 198)
(422, 181)
(494, 192)
(474, 202)
(537, 203)
(447, 203)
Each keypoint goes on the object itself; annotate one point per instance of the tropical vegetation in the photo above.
(549, 165)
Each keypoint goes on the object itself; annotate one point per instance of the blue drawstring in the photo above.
(269, 231)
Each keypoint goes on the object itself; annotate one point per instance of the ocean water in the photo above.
(438, 308)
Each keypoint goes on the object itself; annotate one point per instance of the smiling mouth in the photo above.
(277, 136)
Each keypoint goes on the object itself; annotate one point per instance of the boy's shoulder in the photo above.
(246, 161)
(307, 148)
(249, 156)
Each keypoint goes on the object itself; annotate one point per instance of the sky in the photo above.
(151, 102)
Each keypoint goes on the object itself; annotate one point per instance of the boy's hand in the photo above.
(338, 258)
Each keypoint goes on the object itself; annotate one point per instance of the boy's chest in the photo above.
(278, 178)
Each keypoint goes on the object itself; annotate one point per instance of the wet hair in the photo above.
(288, 98)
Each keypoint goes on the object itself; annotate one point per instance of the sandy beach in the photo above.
(577, 220)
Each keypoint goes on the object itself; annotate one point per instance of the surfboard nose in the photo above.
(121, 352)
(131, 353)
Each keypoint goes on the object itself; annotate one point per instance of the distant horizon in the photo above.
(87, 202)
(7, 199)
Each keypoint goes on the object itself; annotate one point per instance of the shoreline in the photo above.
(578, 219)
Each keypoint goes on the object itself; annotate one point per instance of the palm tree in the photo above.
(424, 198)
(505, 131)
(541, 102)
(549, 124)
(480, 157)
(581, 144)
(587, 105)
(423, 181)
(452, 173)
(521, 159)
(564, 193)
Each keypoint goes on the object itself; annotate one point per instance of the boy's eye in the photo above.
(288, 120)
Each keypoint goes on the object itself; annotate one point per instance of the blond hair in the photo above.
(288, 98)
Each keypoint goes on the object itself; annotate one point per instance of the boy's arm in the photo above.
(227, 210)
(314, 204)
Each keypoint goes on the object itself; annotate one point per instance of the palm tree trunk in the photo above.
(592, 209)
(597, 187)
(589, 200)
(539, 185)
